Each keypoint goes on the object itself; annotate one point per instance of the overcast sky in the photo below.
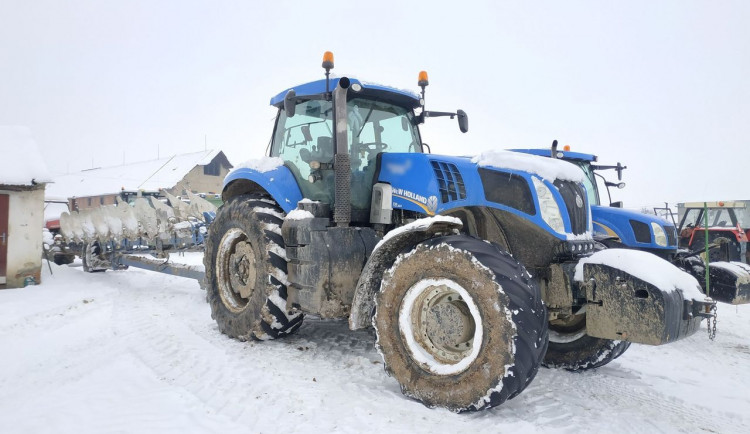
(660, 86)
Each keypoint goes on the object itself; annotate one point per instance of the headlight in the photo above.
(660, 237)
(548, 206)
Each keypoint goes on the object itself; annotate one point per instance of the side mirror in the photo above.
(463, 121)
(290, 103)
(617, 204)
(619, 169)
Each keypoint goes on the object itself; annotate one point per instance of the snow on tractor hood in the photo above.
(547, 168)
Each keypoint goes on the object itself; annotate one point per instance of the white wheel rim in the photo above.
(431, 355)
(234, 290)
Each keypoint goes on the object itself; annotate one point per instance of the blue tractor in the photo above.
(472, 271)
(615, 227)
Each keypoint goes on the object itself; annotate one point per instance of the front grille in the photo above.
(642, 231)
(671, 235)
(573, 194)
(450, 181)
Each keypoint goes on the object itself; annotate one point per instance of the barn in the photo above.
(198, 172)
(23, 176)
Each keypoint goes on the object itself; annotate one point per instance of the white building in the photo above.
(23, 175)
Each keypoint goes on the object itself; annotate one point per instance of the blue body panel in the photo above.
(415, 187)
(610, 221)
(279, 183)
(409, 99)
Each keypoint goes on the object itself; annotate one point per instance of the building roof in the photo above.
(148, 175)
(20, 161)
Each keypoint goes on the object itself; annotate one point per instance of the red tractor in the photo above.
(728, 227)
(727, 224)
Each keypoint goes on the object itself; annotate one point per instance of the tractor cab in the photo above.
(378, 119)
(586, 162)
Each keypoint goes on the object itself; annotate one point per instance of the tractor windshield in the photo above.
(305, 143)
(717, 217)
(589, 182)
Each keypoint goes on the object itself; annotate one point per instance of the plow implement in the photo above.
(141, 234)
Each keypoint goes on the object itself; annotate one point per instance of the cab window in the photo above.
(308, 137)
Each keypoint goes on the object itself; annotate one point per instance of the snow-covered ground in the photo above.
(136, 351)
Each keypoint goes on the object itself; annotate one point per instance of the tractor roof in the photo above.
(569, 155)
(401, 97)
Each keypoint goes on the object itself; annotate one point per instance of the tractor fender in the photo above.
(385, 254)
(278, 182)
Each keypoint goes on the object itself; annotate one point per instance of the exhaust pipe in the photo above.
(342, 210)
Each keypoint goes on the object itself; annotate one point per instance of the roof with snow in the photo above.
(148, 175)
(20, 161)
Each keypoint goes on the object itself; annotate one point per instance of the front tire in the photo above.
(245, 264)
(572, 349)
(460, 324)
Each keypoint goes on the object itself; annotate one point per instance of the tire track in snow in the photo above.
(570, 401)
(172, 333)
(335, 369)
(167, 338)
(182, 346)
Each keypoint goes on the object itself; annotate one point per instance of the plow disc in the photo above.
(148, 222)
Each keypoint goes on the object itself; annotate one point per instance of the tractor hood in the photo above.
(544, 191)
(634, 229)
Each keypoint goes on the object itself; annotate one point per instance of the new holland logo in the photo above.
(432, 203)
(428, 204)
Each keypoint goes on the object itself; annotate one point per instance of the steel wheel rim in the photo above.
(441, 325)
(235, 270)
(568, 331)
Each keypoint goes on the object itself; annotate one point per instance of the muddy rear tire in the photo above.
(460, 324)
(245, 261)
